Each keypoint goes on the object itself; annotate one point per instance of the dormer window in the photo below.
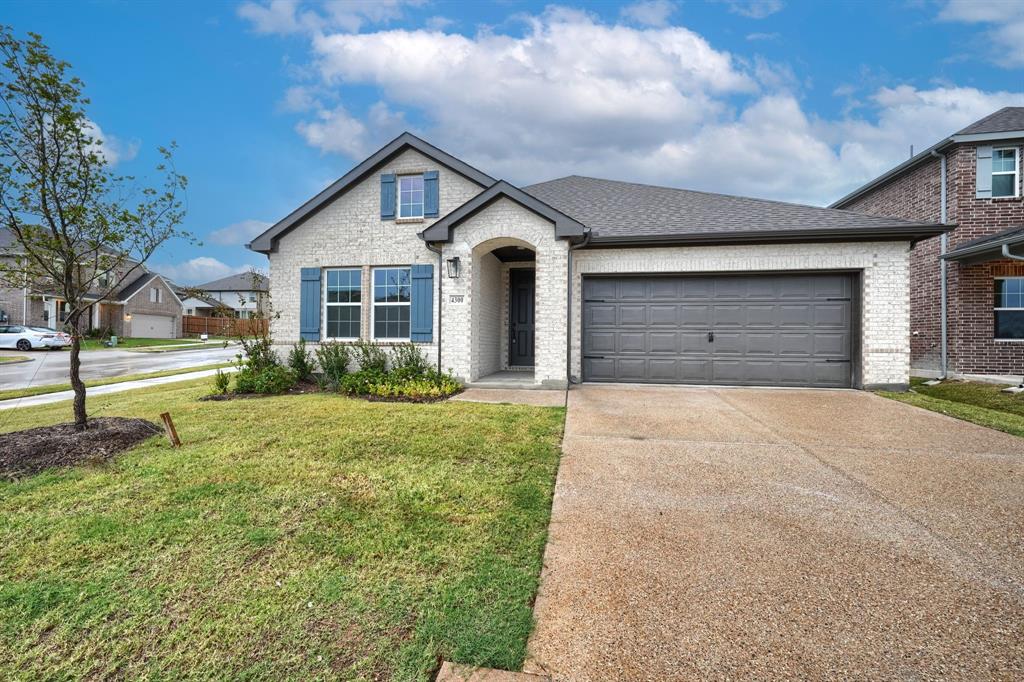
(410, 196)
(1004, 172)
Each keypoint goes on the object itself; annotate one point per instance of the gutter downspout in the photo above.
(440, 282)
(568, 306)
(1011, 256)
(943, 266)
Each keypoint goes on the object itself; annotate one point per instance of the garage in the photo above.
(153, 326)
(788, 329)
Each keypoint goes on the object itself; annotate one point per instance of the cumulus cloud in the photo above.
(197, 270)
(112, 148)
(755, 9)
(285, 17)
(649, 12)
(237, 234)
(336, 130)
(1004, 40)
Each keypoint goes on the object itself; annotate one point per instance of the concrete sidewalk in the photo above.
(48, 398)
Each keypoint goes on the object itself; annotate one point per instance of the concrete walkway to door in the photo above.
(754, 533)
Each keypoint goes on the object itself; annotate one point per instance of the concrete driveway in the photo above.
(723, 533)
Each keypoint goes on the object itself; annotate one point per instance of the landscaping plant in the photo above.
(370, 357)
(410, 377)
(334, 359)
(221, 382)
(300, 361)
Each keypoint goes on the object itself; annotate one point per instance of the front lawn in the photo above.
(295, 537)
(972, 401)
(131, 342)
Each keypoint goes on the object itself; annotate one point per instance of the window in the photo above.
(1004, 172)
(410, 196)
(155, 295)
(252, 298)
(1009, 308)
(392, 292)
(344, 303)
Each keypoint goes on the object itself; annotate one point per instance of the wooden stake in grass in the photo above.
(172, 433)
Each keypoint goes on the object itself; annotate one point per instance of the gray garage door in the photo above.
(766, 330)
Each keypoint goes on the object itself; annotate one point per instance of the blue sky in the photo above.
(269, 102)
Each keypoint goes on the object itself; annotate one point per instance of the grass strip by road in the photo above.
(976, 402)
(13, 393)
(184, 348)
(308, 537)
(13, 358)
(130, 342)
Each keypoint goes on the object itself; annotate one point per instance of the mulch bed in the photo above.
(300, 388)
(23, 453)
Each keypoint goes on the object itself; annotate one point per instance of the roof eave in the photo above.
(912, 233)
(981, 253)
(894, 173)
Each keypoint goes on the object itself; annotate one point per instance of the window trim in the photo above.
(996, 308)
(398, 197)
(373, 305)
(1015, 172)
(359, 305)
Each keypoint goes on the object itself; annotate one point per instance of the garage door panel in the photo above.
(785, 329)
(152, 326)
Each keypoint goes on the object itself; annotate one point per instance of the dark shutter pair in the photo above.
(389, 195)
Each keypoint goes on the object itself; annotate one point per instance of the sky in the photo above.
(269, 102)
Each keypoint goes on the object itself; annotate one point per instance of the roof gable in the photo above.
(266, 242)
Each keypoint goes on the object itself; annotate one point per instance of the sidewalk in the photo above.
(48, 398)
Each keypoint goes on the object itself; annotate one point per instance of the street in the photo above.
(51, 367)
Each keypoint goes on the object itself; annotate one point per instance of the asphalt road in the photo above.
(51, 367)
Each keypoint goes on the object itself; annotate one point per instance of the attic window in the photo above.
(1004, 172)
(410, 196)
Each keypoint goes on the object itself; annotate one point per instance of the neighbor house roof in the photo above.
(989, 247)
(242, 281)
(266, 241)
(136, 284)
(1007, 123)
(627, 212)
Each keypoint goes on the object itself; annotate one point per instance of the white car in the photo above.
(25, 338)
(59, 340)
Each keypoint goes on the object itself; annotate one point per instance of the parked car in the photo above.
(25, 338)
(60, 339)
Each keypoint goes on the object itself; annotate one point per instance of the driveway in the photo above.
(723, 533)
(51, 367)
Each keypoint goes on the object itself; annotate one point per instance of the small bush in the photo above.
(334, 359)
(221, 382)
(271, 380)
(370, 356)
(429, 385)
(300, 361)
(407, 362)
(260, 354)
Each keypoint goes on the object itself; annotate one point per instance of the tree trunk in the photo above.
(76, 380)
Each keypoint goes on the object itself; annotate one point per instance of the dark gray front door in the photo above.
(768, 330)
(520, 324)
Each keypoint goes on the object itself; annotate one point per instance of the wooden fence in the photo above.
(221, 326)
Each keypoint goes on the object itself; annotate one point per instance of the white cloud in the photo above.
(113, 148)
(197, 270)
(755, 9)
(649, 12)
(439, 23)
(1004, 41)
(299, 98)
(336, 130)
(763, 36)
(237, 234)
(292, 16)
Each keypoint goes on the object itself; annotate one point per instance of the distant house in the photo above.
(241, 295)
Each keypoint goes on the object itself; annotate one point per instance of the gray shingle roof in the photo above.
(1005, 120)
(626, 211)
(242, 281)
(139, 282)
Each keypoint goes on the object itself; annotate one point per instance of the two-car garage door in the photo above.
(779, 329)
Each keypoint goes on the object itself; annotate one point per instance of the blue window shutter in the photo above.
(422, 304)
(984, 173)
(387, 196)
(309, 305)
(431, 201)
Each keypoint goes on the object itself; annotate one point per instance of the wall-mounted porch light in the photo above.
(453, 267)
(127, 317)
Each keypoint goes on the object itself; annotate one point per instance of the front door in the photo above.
(520, 324)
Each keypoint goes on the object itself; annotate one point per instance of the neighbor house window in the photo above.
(1004, 172)
(155, 295)
(344, 303)
(1009, 308)
(410, 196)
(392, 292)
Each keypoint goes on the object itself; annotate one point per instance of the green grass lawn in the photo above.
(972, 401)
(129, 342)
(296, 537)
(12, 358)
(12, 393)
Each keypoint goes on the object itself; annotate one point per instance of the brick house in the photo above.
(978, 171)
(145, 306)
(583, 279)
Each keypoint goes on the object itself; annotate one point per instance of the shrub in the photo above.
(260, 354)
(221, 381)
(334, 359)
(273, 379)
(300, 361)
(361, 382)
(429, 385)
(370, 356)
(407, 362)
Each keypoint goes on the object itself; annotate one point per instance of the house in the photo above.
(582, 279)
(967, 286)
(145, 306)
(240, 295)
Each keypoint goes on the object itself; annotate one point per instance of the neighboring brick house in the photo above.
(581, 279)
(985, 288)
(145, 306)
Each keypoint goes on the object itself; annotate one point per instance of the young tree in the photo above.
(79, 229)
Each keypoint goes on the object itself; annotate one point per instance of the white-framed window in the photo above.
(1004, 172)
(155, 295)
(1009, 308)
(392, 295)
(410, 196)
(344, 303)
